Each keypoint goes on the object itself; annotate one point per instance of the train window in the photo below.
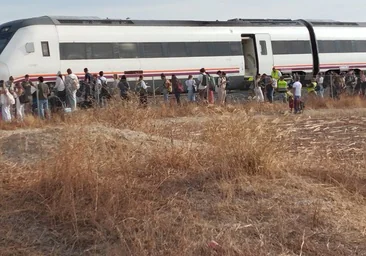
(102, 51)
(346, 46)
(199, 49)
(45, 49)
(360, 46)
(177, 50)
(3, 43)
(263, 47)
(72, 51)
(220, 49)
(280, 47)
(236, 48)
(153, 50)
(128, 50)
(327, 46)
(299, 47)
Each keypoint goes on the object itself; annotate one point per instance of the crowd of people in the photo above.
(334, 84)
(28, 98)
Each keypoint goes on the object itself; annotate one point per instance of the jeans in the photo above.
(166, 95)
(43, 107)
(270, 95)
(191, 96)
(321, 91)
(297, 104)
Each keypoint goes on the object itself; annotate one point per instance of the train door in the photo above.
(258, 56)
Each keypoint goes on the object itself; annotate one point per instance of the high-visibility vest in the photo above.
(275, 74)
(282, 85)
(311, 87)
(251, 78)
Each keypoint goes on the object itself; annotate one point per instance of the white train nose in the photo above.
(4, 72)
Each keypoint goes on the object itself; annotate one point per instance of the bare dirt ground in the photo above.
(316, 207)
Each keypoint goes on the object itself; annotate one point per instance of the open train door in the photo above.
(257, 51)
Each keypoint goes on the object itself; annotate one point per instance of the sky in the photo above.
(186, 9)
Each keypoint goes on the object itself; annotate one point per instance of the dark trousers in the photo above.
(177, 97)
(270, 95)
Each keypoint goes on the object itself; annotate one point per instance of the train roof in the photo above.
(69, 20)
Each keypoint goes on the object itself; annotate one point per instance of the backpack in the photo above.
(211, 83)
(180, 88)
(204, 80)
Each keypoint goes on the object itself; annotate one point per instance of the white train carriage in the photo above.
(241, 48)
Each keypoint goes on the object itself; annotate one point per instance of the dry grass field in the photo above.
(246, 179)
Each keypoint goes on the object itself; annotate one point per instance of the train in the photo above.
(242, 48)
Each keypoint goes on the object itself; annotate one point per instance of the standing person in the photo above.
(28, 88)
(258, 90)
(221, 83)
(142, 90)
(114, 86)
(191, 88)
(167, 87)
(282, 88)
(88, 78)
(203, 84)
(124, 87)
(43, 92)
(177, 88)
(102, 86)
(276, 74)
(6, 100)
(72, 85)
(60, 88)
(297, 87)
(20, 100)
(268, 82)
(363, 83)
(320, 81)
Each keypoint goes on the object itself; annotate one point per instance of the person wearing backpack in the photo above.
(211, 89)
(102, 89)
(141, 88)
(202, 86)
(72, 85)
(166, 87)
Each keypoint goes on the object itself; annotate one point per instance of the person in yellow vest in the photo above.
(282, 88)
(311, 88)
(276, 74)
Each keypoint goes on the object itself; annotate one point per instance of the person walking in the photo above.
(166, 87)
(20, 100)
(124, 87)
(363, 83)
(60, 88)
(268, 82)
(72, 85)
(320, 82)
(191, 88)
(177, 88)
(6, 101)
(43, 92)
(28, 88)
(142, 91)
(297, 87)
(203, 84)
(221, 83)
(258, 89)
(311, 88)
(282, 89)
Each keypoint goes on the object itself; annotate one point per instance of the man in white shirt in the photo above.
(60, 87)
(72, 85)
(320, 81)
(191, 88)
(297, 87)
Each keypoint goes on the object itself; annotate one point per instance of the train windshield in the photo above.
(3, 42)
